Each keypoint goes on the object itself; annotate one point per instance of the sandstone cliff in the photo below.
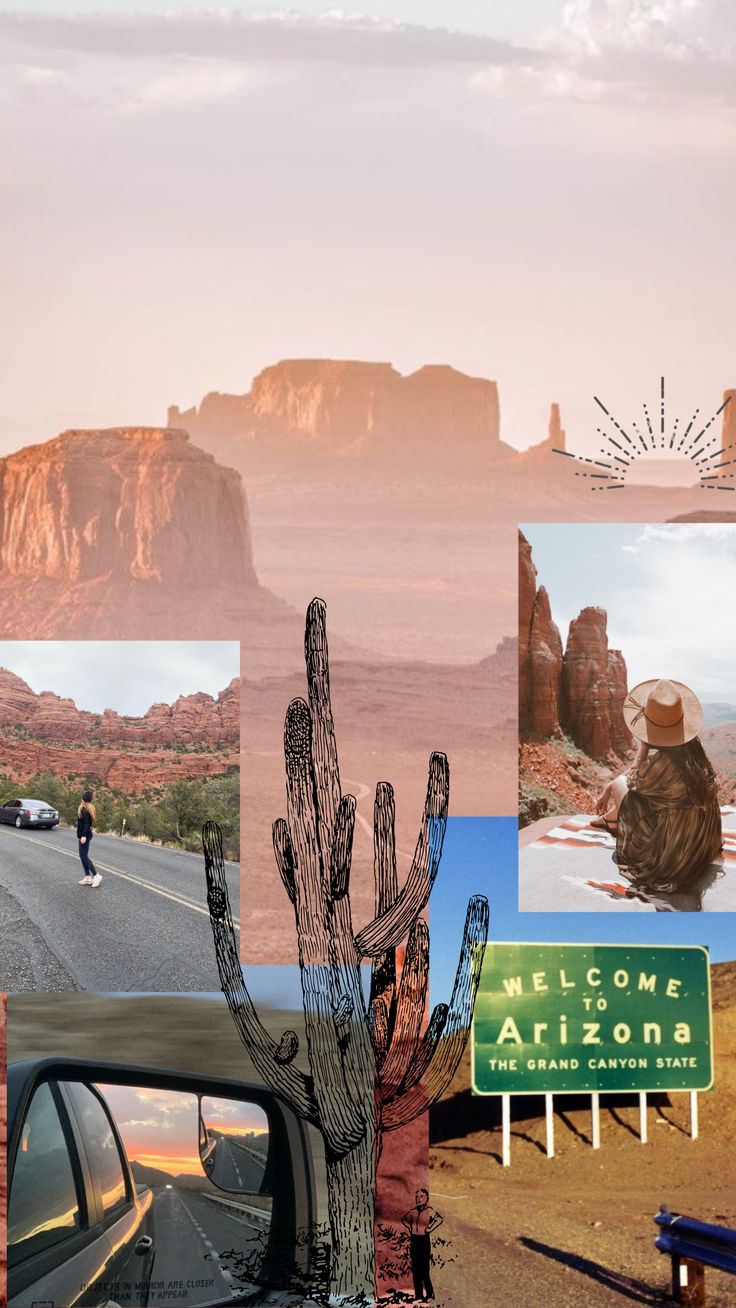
(142, 505)
(134, 533)
(579, 692)
(45, 732)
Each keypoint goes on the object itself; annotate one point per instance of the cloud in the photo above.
(336, 37)
(629, 51)
(671, 616)
(600, 51)
(671, 48)
(189, 83)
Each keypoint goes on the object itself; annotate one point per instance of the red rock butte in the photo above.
(197, 736)
(347, 406)
(133, 533)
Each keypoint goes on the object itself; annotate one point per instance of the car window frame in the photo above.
(103, 1220)
(29, 1268)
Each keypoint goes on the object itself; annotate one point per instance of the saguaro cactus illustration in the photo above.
(372, 1067)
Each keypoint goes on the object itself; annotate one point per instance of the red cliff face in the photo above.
(140, 504)
(540, 652)
(134, 533)
(594, 687)
(40, 733)
(343, 406)
(580, 692)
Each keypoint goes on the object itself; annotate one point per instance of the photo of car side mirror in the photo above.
(137, 1188)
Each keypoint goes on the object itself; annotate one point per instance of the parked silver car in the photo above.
(29, 813)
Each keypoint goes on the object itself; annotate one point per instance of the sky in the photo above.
(666, 589)
(125, 675)
(540, 193)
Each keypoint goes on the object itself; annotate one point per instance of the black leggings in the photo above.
(87, 863)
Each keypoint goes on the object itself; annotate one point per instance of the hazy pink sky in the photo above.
(188, 198)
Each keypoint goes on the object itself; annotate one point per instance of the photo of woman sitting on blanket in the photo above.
(664, 810)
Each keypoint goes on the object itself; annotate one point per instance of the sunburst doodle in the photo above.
(619, 452)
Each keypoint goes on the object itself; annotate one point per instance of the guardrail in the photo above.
(257, 1216)
(693, 1246)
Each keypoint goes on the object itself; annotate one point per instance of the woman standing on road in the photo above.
(86, 818)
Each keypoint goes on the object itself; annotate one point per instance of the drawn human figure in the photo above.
(420, 1221)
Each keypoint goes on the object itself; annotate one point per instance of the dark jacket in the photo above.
(84, 824)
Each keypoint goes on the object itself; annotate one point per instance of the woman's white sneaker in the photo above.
(96, 879)
(86, 881)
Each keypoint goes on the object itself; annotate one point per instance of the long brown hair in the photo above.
(87, 798)
(694, 767)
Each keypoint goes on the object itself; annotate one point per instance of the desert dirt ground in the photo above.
(577, 1230)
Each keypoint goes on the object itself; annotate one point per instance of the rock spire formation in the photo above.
(579, 691)
(728, 429)
(540, 652)
(556, 435)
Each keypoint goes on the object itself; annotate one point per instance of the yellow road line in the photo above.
(183, 900)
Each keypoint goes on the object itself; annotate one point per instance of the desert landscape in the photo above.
(577, 1230)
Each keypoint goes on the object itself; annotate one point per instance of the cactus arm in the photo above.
(410, 1004)
(392, 926)
(342, 847)
(284, 853)
(426, 1047)
(286, 1080)
(383, 976)
(379, 1029)
(409, 1103)
(324, 746)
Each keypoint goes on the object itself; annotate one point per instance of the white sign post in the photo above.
(643, 1117)
(694, 1114)
(550, 1122)
(595, 1105)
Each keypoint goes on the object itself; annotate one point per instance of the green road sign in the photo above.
(553, 1018)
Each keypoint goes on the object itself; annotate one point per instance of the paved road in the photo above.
(146, 927)
(192, 1234)
(236, 1168)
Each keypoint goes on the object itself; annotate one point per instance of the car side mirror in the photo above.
(234, 1144)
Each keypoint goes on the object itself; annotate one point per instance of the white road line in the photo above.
(363, 822)
(175, 897)
(213, 1256)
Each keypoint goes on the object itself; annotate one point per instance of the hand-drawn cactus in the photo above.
(373, 1068)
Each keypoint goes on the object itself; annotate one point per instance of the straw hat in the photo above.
(663, 712)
